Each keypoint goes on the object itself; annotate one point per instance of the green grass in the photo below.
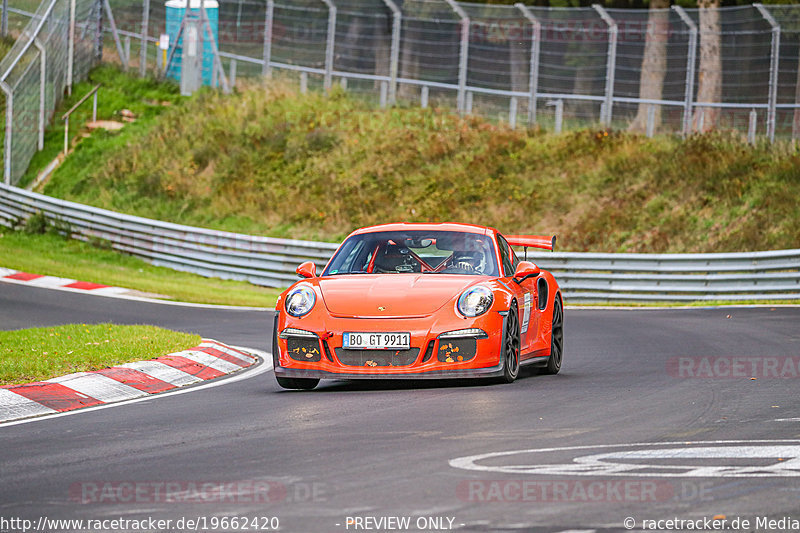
(269, 161)
(53, 255)
(41, 353)
(146, 98)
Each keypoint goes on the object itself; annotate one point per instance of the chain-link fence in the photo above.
(654, 71)
(556, 67)
(58, 47)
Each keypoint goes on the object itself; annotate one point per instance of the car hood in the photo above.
(391, 295)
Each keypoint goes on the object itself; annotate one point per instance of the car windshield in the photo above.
(408, 252)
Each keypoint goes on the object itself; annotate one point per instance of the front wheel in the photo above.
(511, 346)
(297, 383)
(556, 339)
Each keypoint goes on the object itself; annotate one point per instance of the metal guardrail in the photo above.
(584, 277)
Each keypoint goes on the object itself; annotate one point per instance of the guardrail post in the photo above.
(751, 127)
(691, 58)
(774, 59)
(611, 63)
(303, 82)
(512, 113)
(468, 103)
(423, 97)
(463, 54)
(145, 32)
(383, 94)
(651, 120)
(331, 42)
(232, 74)
(533, 75)
(266, 71)
(394, 61)
(559, 118)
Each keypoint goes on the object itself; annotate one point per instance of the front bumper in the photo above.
(426, 340)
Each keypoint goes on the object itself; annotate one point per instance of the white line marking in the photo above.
(787, 420)
(788, 464)
(6, 272)
(245, 373)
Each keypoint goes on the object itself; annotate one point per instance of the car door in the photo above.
(526, 298)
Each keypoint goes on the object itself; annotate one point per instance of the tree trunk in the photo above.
(654, 64)
(709, 77)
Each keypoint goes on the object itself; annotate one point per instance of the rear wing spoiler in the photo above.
(535, 241)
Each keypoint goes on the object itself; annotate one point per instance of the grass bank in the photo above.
(42, 353)
(269, 161)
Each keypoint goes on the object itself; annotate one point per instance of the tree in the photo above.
(709, 76)
(654, 63)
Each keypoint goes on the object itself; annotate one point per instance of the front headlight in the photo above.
(300, 300)
(475, 301)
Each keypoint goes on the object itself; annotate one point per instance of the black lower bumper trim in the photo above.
(490, 372)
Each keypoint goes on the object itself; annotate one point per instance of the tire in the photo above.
(297, 383)
(511, 344)
(556, 339)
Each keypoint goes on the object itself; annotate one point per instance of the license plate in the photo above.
(376, 341)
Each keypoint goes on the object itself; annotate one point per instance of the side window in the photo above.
(508, 256)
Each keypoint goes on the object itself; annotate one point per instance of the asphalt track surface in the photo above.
(384, 451)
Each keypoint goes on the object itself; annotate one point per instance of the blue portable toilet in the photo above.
(175, 12)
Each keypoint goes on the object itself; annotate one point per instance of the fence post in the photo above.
(4, 20)
(9, 131)
(42, 88)
(774, 58)
(533, 81)
(145, 33)
(611, 64)
(751, 127)
(265, 68)
(691, 58)
(394, 61)
(463, 54)
(330, 44)
(115, 34)
(71, 47)
(423, 97)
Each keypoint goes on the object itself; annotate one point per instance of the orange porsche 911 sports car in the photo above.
(417, 301)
